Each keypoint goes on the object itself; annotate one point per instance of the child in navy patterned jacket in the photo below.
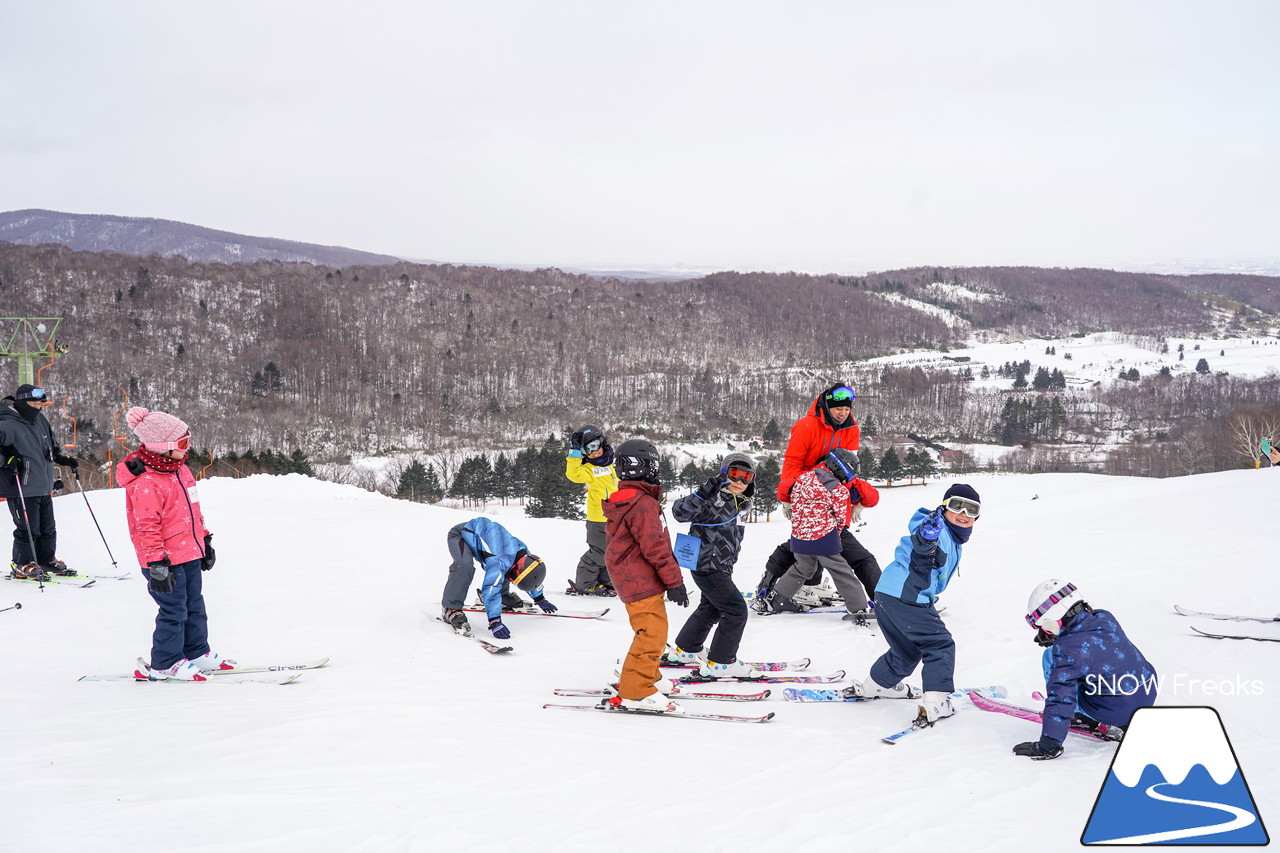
(1095, 677)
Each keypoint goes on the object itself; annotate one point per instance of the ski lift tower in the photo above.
(30, 338)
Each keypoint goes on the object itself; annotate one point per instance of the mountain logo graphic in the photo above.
(1175, 780)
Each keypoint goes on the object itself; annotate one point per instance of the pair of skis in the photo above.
(1242, 633)
(284, 673)
(780, 671)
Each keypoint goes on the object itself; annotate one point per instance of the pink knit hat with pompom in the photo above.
(157, 430)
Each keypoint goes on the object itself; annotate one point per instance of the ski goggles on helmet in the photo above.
(593, 445)
(740, 475)
(1034, 616)
(963, 505)
(34, 396)
(842, 396)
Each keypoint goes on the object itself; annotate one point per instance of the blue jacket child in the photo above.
(1094, 674)
(505, 560)
(924, 563)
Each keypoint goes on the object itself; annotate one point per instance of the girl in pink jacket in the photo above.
(173, 546)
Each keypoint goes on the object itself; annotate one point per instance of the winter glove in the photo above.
(209, 556)
(498, 629)
(575, 442)
(932, 527)
(12, 463)
(161, 578)
(67, 462)
(58, 486)
(547, 606)
(678, 595)
(1044, 749)
(708, 490)
(575, 453)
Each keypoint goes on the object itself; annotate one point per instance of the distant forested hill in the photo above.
(141, 236)
(335, 360)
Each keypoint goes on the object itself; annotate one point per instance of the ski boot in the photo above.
(28, 572)
(57, 567)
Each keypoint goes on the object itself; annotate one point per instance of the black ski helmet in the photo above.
(637, 459)
(590, 433)
(843, 463)
(528, 572)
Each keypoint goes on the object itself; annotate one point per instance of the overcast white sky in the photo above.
(818, 136)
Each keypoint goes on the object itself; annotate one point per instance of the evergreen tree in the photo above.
(551, 499)
(867, 467)
(1041, 380)
(503, 486)
(772, 433)
(1202, 366)
(524, 473)
(691, 476)
(413, 484)
(890, 467)
(768, 474)
(911, 465)
(300, 464)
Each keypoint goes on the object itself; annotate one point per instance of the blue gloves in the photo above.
(576, 453)
(932, 527)
(1044, 749)
(499, 630)
(547, 606)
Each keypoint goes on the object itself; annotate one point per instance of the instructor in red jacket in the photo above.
(828, 425)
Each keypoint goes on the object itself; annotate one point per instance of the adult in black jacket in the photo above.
(862, 561)
(715, 513)
(26, 479)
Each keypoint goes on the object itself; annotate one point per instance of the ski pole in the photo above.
(17, 606)
(80, 489)
(26, 519)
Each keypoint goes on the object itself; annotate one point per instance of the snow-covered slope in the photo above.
(415, 740)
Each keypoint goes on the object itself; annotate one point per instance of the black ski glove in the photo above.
(58, 486)
(1044, 749)
(67, 462)
(678, 595)
(209, 556)
(161, 578)
(575, 441)
(12, 464)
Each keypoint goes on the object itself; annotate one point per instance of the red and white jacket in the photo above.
(164, 513)
(822, 506)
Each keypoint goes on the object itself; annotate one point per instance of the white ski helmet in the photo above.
(1049, 603)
